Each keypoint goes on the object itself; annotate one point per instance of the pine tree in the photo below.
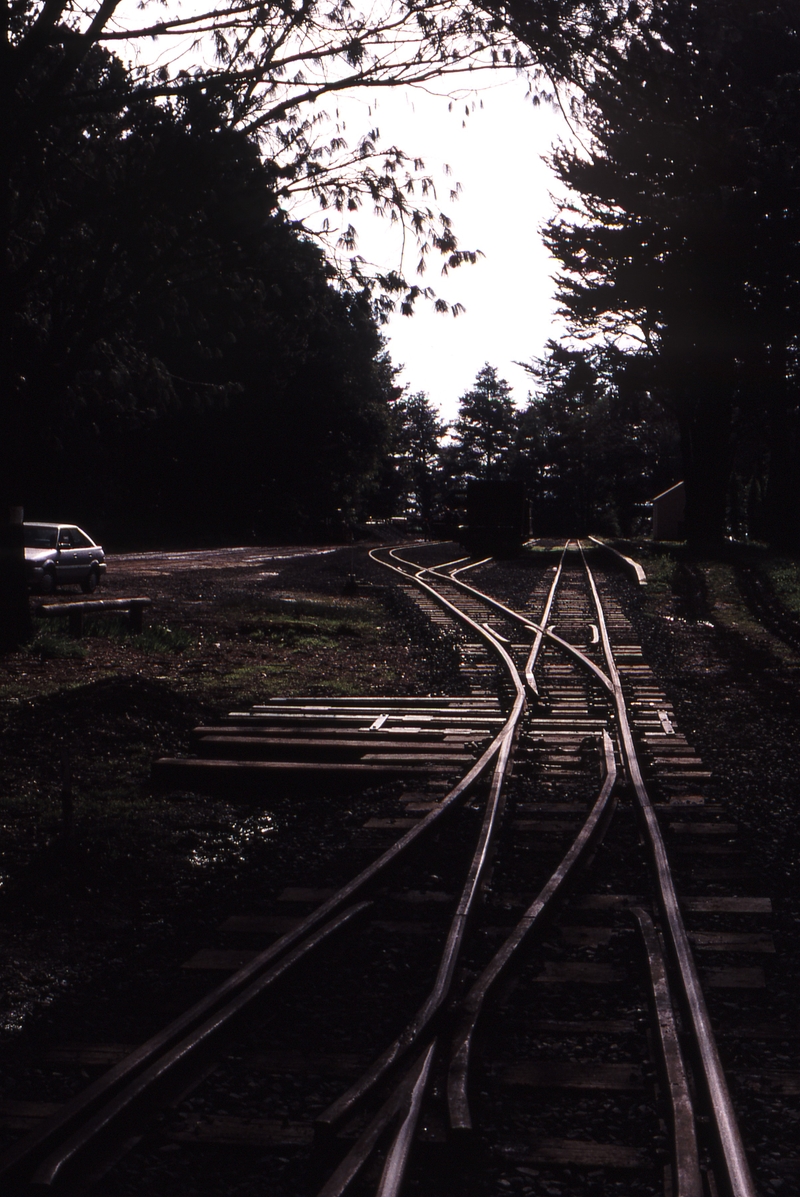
(683, 229)
(486, 425)
(418, 439)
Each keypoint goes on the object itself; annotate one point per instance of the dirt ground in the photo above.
(226, 629)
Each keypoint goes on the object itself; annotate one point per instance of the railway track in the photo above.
(506, 993)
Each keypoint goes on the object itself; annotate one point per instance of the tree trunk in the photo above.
(705, 432)
(15, 615)
(780, 518)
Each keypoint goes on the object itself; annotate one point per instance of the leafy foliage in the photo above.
(267, 69)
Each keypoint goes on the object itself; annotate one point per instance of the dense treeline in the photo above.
(184, 365)
(591, 445)
(679, 247)
(176, 361)
(684, 239)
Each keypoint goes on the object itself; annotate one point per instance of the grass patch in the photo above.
(305, 607)
(659, 565)
(305, 624)
(717, 595)
(784, 574)
(50, 646)
(155, 639)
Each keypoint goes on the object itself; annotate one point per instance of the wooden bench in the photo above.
(75, 611)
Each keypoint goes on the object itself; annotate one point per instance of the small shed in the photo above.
(668, 513)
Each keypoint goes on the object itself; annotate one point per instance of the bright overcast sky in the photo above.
(496, 155)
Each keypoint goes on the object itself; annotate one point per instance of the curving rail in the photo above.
(346, 1105)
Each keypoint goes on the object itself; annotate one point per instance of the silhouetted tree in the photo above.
(86, 240)
(593, 444)
(186, 365)
(683, 232)
(485, 427)
(416, 451)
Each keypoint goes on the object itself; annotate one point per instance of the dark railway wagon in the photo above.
(498, 517)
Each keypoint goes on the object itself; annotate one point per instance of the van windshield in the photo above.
(44, 536)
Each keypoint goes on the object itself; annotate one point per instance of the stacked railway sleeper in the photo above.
(494, 989)
(344, 743)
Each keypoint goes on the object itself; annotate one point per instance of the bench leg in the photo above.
(76, 624)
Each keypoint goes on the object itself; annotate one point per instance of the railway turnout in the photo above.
(512, 980)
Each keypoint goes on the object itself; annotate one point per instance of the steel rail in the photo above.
(463, 568)
(515, 616)
(530, 664)
(28, 1151)
(457, 1080)
(128, 1103)
(530, 625)
(633, 566)
(397, 1159)
(411, 1089)
(444, 564)
(394, 1169)
(686, 1161)
(341, 1179)
(534, 919)
(735, 1162)
(497, 635)
(346, 1104)
(737, 1170)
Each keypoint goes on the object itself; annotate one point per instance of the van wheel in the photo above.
(48, 582)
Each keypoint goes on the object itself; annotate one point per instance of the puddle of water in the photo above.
(231, 844)
(693, 623)
(29, 995)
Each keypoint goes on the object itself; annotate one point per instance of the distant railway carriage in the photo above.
(498, 517)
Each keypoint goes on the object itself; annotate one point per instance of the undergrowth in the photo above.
(51, 646)
(784, 574)
(155, 639)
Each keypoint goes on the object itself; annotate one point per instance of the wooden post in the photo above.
(76, 624)
(135, 617)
